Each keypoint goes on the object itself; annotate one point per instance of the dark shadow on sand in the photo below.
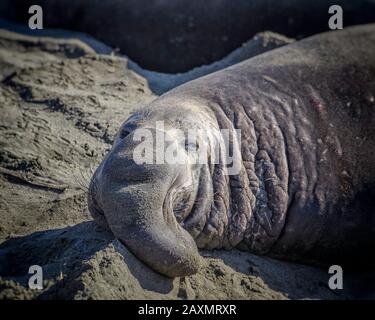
(66, 251)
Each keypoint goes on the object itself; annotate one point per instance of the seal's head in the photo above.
(151, 184)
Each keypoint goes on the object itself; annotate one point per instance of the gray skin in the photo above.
(306, 187)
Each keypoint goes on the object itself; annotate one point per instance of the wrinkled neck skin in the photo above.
(248, 209)
(290, 171)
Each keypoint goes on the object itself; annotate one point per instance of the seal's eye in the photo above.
(124, 133)
(191, 146)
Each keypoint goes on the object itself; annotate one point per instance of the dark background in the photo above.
(176, 35)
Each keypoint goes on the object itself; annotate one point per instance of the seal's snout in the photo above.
(133, 199)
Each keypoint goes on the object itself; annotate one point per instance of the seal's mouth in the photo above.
(182, 204)
(179, 199)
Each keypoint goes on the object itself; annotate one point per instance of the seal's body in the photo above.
(306, 184)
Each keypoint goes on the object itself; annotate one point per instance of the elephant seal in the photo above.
(176, 36)
(305, 185)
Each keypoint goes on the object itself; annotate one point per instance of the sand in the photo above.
(61, 104)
